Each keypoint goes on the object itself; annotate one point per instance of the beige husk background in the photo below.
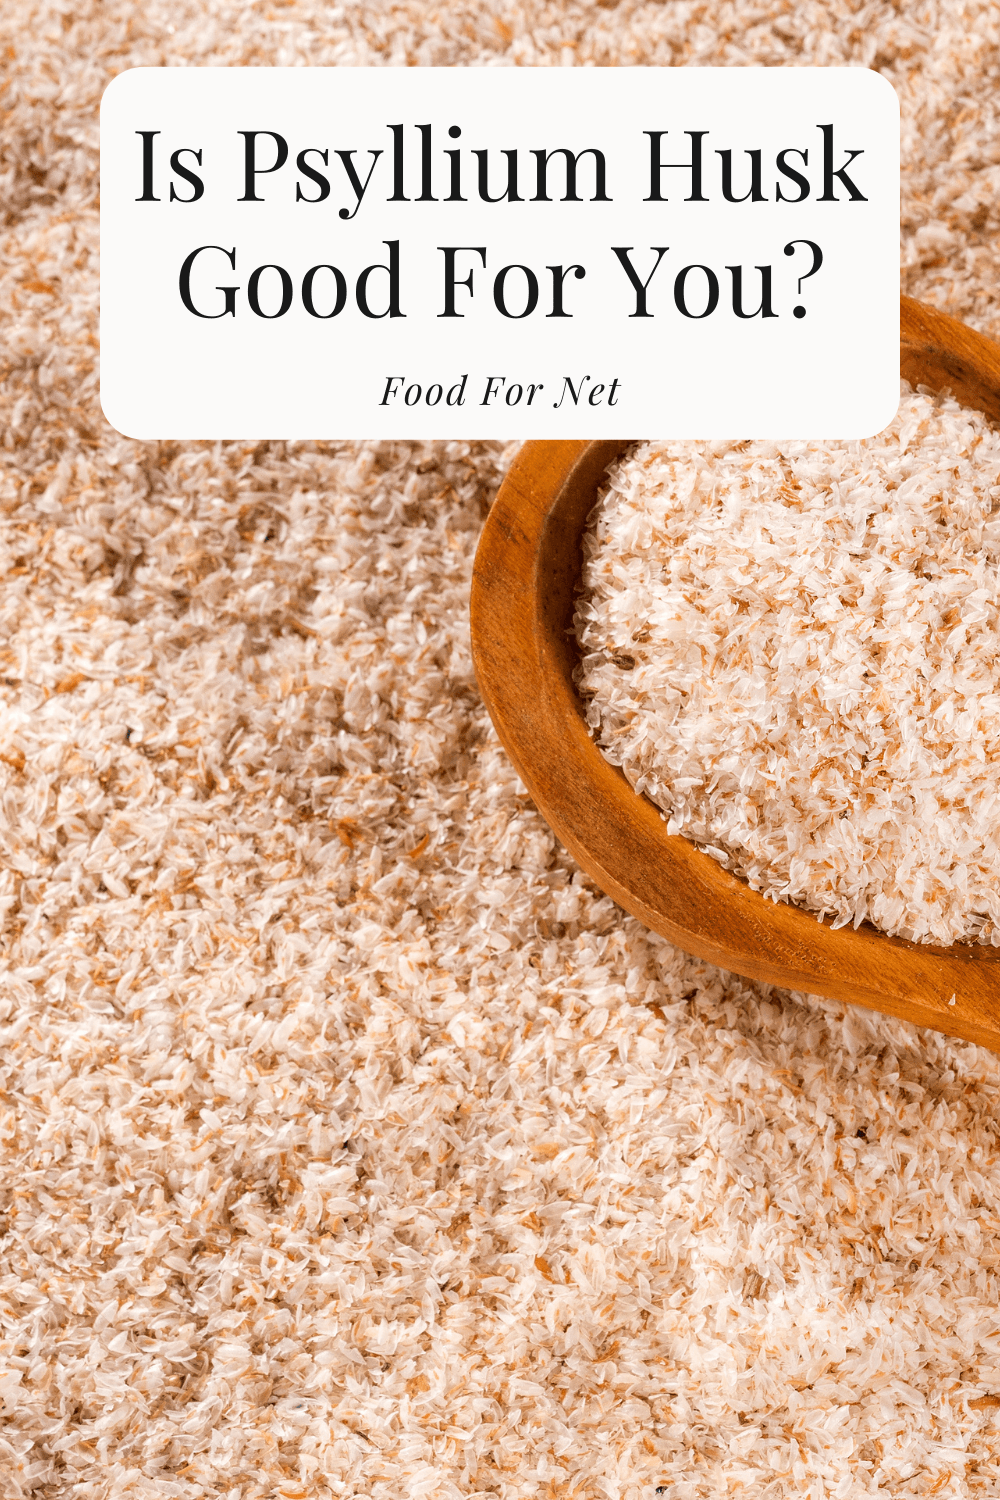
(352, 1142)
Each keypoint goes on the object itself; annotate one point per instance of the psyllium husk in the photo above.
(793, 649)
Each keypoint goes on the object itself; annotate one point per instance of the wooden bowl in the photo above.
(526, 574)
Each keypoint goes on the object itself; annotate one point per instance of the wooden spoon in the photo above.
(526, 574)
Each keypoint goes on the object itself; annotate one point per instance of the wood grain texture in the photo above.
(938, 351)
(526, 574)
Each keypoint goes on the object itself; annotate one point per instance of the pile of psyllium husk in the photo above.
(793, 649)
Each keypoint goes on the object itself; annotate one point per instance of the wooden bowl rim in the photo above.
(618, 836)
